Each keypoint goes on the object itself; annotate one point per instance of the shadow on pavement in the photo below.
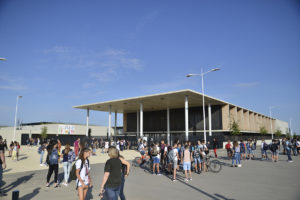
(19, 181)
(7, 170)
(222, 197)
(23, 158)
(31, 195)
(89, 194)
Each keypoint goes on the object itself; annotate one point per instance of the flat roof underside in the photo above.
(156, 102)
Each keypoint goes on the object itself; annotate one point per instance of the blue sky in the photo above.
(65, 53)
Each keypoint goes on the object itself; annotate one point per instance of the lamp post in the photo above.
(18, 97)
(3, 59)
(271, 107)
(202, 74)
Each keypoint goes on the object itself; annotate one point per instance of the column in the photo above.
(209, 119)
(87, 121)
(225, 117)
(109, 123)
(168, 125)
(137, 123)
(186, 118)
(116, 117)
(141, 120)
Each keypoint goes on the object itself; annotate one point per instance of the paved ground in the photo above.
(255, 180)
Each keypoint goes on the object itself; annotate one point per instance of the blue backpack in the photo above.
(53, 158)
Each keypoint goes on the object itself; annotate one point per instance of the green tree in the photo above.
(263, 130)
(44, 132)
(235, 128)
(278, 133)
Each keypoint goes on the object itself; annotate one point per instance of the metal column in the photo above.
(87, 121)
(209, 119)
(109, 123)
(186, 118)
(116, 118)
(168, 125)
(141, 120)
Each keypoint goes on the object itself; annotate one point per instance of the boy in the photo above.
(186, 160)
(173, 159)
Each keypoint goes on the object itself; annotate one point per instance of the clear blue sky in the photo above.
(65, 53)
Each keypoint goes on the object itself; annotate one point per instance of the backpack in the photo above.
(154, 151)
(53, 158)
(171, 155)
(73, 171)
(253, 147)
(266, 147)
(197, 153)
(40, 150)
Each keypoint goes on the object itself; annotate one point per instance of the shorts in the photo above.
(174, 164)
(186, 165)
(229, 151)
(243, 151)
(263, 152)
(156, 160)
(275, 153)
(142, 153)
(197, 159)
(249, 151)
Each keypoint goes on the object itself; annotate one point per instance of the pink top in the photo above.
(186, 156)
(76, 144)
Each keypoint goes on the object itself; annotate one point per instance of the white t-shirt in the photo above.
(106, 145)
(141, 147)
(84, 172)
(158, 150)
(175, 151)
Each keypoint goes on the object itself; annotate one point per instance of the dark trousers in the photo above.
(50, 171)
(289, 154)
(122, 196)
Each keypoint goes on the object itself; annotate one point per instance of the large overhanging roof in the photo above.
(156, 102)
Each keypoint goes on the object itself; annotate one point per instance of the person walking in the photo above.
(68, 156)
(83, 181)
(215, 146)
(52, 161)
(112, 179)
(125, 174)
(288, 147)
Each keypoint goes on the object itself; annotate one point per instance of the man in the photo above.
(2, 164)
(288, 146)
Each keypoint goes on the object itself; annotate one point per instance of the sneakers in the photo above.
(290, 161)
(41, 165)
(65, 184)
(47, 185)
(173, 180)
(190, 179)
(159, 174)
(239, 165)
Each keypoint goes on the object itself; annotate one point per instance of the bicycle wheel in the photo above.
(215, 166)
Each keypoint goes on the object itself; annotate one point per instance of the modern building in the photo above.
(64, 132)
(179, 115)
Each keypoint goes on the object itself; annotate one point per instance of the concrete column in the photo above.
(240, 119)
(168, 125)
(225, 117)
(209, 119)
(116, 119)
(256, 128)
(137, 123)
(109, 123)
(87, 121)
(246, 120)
(186, 118)
(124, 122)
(141, 120)
(252, 124)
(233, 114)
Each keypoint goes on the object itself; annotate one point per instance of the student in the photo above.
(162, 154)
(125, 173)
(11, 147)
(68, 156)
(228, 148)
(264, 148)
(112, 179)
(243, 150)
(298, 145)
(205, 152)
(186, 159)
(106, 146)
(14, 152)
(156, 158)
(288, 147)
(76, 146)
(236, 155)
(215, 146)
(52, 161)
(83, 181)
(197, 157)
(42, 150)
(173, 159)
(249, 149)
(2, 165)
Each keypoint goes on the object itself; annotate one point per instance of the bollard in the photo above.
(15, 195)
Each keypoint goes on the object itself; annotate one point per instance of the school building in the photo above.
(179, 115)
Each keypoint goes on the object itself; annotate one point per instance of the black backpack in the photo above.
(266, 147)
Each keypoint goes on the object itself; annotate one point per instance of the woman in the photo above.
(112, 180)
(52, 161)
(236, 155)
(215, 146)
(68, 156)
(83, 181)
(14, 151)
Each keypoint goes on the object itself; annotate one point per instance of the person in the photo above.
(215, 146)
(294, 147)
(18, 150)
(68, 156)
(14, 152)
(11, 147)
(52, 161)
(274, 150)
(76, 146)
(83, 181)
(2, 164)
(249, 149)
(173, 159)
(197, 156)
(228, 148)
(264, 148)
(186, 159)
(155, 152)
(112, 179)
(106, 146)
(243, 149)
(283, 145)
(41, 151)
(125, 173)
(298, 145)
(236, 155)
(288, 147)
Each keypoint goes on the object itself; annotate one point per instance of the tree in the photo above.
(44, 132)
(263, 130)
(235, 128)
(278, 133)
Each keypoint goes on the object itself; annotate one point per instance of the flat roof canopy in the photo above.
(157, 102)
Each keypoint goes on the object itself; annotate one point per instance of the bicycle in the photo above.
(213, 165)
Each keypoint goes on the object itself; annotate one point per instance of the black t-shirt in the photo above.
(2, 151)
(114, 167)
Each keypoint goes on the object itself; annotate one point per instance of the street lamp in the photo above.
(18, 97)
(271, 107)
(3, 59)
(202, 74)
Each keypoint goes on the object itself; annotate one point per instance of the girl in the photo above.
(52, 161)
(83, 181)
(236, 155)
(68, 156)
(186, 158)
(14, 151)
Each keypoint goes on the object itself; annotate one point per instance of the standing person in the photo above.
(11, 147)
(243, 149)
(186, 159)
(288, 147)
(76, 146)
(52, 161)
(173, 159)
(215, 146)
(197, 157)
(18, 150)
(125, 173)
(112, 179)
(228, 148)
(14, 152)
(274, 150)
(83, 181)
(2, 164)
(68, 156)
(284, 145)
(41, 151)
(155, 152)
(264, 148)
(106, 146)
(298, 145)
(236, 155)
(249, 149)
(162, 153)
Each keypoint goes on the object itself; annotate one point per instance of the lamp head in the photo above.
(216, 69)
(189, 75)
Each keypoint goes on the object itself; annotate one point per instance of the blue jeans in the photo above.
(237, 158)
(42, 156)
(122, 196)
(112, 193)
(67, 169)
(1, 176)
(288, 151)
